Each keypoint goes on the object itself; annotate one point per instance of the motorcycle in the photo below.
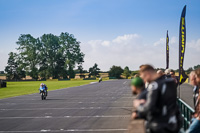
(100, 80)
(43, 93)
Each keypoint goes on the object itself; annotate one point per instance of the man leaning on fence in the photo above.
(160, 108)
(195, 126)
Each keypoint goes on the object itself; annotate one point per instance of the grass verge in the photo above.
(29, 87)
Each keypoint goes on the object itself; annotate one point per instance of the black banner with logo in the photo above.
(167, 51)
(182, 44)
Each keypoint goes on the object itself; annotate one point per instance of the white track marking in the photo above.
(72, 98)
(68, 130)
(65, 117)
(62, 102)
(125, 82)
(71, 108)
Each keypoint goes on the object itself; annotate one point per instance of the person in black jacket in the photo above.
(138, 88)
(160, 108)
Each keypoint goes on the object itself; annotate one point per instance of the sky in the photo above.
(111, 32)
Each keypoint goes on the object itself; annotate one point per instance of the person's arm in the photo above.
(149, 105)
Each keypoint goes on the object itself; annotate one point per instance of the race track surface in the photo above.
(187, 94)
(99, 107)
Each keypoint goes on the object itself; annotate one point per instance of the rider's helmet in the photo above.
(41, 84)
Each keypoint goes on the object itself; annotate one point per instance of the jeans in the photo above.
(194, 127)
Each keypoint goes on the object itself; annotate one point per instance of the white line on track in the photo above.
(71, 108)
(66, 117)
(62, 102)
(68, 130)
(125, 82)
(73, 98)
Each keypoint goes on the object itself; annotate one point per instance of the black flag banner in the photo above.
(182, 44)
(167, 51)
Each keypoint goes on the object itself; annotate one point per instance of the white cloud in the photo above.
(106, 43)
(129, 50)
(194, 44)
(125, 38)
(173, 40)
(162, 41)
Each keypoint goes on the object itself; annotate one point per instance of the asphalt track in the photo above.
(99, 107)
(187, 94)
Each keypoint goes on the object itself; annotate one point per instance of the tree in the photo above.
(60, 54)
(115, 71)
(94, 71)
(81, 71)
(13, 70)
(126, 72)
(196, 67)
(29, 54)
(71, 51)
(189, 70)
(50, 55)
(133, 73)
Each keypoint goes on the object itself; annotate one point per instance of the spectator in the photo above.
(160, 73)
(160, 108)
(167, 73)
(196, 89)
(138, 88)
(198, 76)
(195, 126)
(172, 73)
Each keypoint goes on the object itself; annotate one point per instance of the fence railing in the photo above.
(186, 112)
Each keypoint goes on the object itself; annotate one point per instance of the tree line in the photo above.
(55, 56)
(52, 56)
(44, 57)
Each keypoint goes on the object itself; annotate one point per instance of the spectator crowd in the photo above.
(156, 100)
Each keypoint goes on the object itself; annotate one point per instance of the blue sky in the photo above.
(94, 22)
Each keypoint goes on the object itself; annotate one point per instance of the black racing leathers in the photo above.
(160, 109)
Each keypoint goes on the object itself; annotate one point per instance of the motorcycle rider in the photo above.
(42, 85)
(100, 79)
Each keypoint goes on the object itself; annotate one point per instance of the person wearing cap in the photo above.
(167, 73)
(138, 88)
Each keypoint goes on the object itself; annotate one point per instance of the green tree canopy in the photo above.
(126, 72)
(196, 67)
(50, 55)
(13, 70)
(115, 71)
(29, 54)
(94, 71)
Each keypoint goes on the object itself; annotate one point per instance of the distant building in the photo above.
(2, 72)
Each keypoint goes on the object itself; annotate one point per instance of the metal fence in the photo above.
(186, 112)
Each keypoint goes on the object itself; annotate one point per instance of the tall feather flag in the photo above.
(167, 51)
(182, 44)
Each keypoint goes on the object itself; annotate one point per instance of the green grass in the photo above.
(29, 87)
